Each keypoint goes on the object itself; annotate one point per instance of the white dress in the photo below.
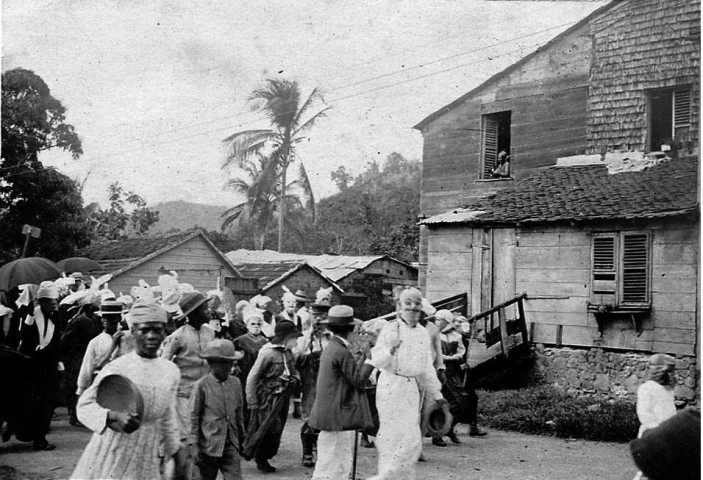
(111, 454)
(655, 403)
(403, 379)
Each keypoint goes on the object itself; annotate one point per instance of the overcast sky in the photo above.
(153, 87)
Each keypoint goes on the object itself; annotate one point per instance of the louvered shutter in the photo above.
(604, 269)
(490, 145)
(682, 108)
(635, 261)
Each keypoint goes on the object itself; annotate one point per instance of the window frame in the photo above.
(597, 285)
(672, 91)
(485, 118)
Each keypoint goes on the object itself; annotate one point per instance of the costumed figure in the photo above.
(268, 391)
(250, 343)
(308, 352)
(40, 339)
(408, 378)
(268, 308)
(126, 445)
(237, 325)
(655, 397)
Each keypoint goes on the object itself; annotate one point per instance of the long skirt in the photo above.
(399, 440)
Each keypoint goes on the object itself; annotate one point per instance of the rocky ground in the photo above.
(499, 456)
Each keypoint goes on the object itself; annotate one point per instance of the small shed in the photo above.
(608, 255)
(346, 269)
(196, 259)
(272, 273)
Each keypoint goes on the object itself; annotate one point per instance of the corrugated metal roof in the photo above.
(587, 193)
(334, 267)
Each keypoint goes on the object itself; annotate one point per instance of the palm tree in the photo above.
(262, 198)
(281, 103)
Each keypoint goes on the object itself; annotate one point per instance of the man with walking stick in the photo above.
(341, 406)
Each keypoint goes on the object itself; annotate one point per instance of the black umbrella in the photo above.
(78, 264)
(27, 270)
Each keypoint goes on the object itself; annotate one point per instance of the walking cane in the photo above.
(356, 450)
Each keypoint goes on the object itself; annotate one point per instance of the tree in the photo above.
(281, 103)
(34, 121)
(262, 199)
(128, 215)
(375, 213)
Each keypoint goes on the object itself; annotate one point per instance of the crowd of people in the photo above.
(215, 381)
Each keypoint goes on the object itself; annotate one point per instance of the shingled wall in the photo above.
(637, 46)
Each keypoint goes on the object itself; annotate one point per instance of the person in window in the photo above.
(502, 170)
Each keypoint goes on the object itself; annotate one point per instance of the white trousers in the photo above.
(334, 455)
(399, 441)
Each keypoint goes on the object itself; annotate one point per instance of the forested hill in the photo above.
(180, 215)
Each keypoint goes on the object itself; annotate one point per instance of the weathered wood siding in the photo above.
(394, 274)
(305, 279)
(195, 261)
(553, 265)
(547, 96)
(641, 45)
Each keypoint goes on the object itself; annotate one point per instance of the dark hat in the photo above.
(189, 302)
(341, 315)
(436, 419)
(221, 349)
(321, 306)
(116, 392)
(301, 296)
(284, 330)
(111, 308)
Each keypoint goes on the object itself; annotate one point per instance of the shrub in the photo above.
(545, 410)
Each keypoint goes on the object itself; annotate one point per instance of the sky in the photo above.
(153, 87)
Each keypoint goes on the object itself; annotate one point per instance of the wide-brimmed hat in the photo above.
(119, 393)
(341, 315)
(110, 308)
(301, 295)
(221, 349)
(284, 330)
(189, 302)
(436, 419)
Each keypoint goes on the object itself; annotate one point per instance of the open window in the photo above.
(620, 268)
(669, 117)
(495, 138)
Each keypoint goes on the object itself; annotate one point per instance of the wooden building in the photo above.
(272, 273)
(624, 78)
(191, 254)
(607, 257)
(345, 270)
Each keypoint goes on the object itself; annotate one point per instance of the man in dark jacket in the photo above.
(341, 405)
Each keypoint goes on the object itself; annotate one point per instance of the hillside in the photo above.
(182, 215)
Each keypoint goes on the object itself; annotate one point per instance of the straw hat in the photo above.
(341, 315)
(221, 349)
(436, 419)
(116, 392)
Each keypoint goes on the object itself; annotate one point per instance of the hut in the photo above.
(191, 254)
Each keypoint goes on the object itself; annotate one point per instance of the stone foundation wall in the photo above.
(605, 375)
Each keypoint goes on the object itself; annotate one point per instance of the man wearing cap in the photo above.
(403, 355)
(128, 444)
(98, 351)
(40, 339)
(268, 391)
(217, 423)
(184, 346)
(341, 405)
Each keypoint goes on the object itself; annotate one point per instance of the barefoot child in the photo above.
(217, 428)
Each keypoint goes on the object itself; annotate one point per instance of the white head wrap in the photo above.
(48, 290)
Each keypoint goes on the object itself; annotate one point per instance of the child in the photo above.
(341, 405)
(217, 428)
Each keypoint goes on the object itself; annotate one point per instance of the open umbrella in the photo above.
(27, 270)
(78, 264)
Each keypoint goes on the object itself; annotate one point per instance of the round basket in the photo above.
(118, 393)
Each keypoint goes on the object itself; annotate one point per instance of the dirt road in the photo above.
(499, 456)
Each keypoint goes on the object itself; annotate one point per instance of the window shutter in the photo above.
(682, 108)
(634, 269)
(490, 145)
(604, 253)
